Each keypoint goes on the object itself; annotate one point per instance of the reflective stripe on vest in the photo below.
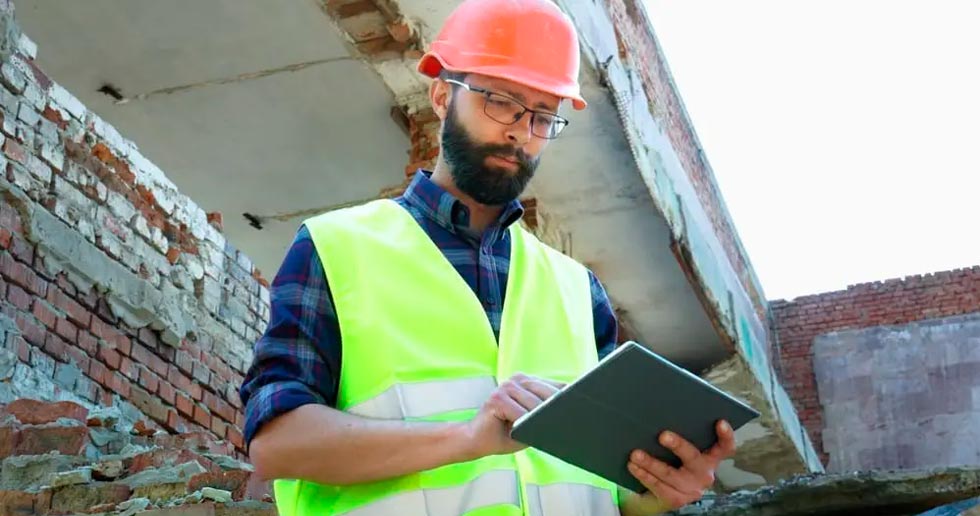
(417, 345)
(424, 399)
(568, 499)
(491, 488)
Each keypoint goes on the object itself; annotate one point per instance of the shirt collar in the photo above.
(445, 209)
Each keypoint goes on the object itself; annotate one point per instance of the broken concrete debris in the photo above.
(51, 464)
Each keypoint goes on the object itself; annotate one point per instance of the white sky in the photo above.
(844, 135)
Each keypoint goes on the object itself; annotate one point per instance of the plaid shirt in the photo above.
(297, 360)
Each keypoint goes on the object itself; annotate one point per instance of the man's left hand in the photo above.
(677, 487)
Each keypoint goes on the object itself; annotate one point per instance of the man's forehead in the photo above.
(533, 98)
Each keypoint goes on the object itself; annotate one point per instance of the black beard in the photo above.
(487, 185)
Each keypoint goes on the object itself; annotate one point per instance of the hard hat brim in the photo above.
(432, 65)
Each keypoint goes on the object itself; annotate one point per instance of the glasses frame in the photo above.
(562, 121)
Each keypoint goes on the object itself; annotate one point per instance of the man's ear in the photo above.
(439, 95)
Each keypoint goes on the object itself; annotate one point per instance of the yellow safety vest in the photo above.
(418, 346)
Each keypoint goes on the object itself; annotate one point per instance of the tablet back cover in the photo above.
(624, 404)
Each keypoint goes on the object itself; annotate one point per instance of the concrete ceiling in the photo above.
(244, 130)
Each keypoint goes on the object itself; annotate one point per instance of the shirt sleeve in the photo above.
(297, 359)
(603, 318)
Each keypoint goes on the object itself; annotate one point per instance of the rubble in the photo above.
(49, 466)
(893, 493)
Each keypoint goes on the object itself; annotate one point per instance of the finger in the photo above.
(687, 452)
(504, 407)
(665, 492)
(725, 447)
(523, 378)
(540, 388)
(524, 397)
(680, 479)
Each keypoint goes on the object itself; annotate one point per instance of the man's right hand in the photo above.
(489, 430)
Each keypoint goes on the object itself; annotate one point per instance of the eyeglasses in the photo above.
(508, 111)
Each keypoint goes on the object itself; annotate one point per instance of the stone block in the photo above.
(12, 78)
(64, 99)
(73, 477)
(31, 471)
(80, 498)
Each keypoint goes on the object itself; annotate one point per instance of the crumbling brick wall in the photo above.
(893, 302)
(115, 289)
(638, 45)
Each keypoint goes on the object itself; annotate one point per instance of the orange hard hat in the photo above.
(531, 42)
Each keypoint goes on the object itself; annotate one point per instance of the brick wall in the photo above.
(892, 302)
(115, 289)
(637, 41)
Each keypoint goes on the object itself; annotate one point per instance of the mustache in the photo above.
(506, 151)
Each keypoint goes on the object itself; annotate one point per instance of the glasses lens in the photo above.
(502, 109)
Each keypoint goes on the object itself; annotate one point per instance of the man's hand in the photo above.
(489, 430)
(672, 488)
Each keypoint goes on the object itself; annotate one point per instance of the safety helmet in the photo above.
(530, 42)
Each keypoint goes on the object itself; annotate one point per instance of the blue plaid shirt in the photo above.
(297, 360)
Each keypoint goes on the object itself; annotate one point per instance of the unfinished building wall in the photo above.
(115, 289)
(882, 331)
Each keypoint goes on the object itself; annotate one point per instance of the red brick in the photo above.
(98, 372)
(18, 297)
(38, 440)
(185, 405)
(174, 422)
(23, 349)
(183, 383)
(57, 348)
(35, 412)
(76, 312)
(5, 238)
(218, 406)
(166, 392)
(192, 349)
(32, 330)
(224, 372)
(88, 342)
(20, 274)
(202, 416)
(8, 441)
(148, 337)
(14, 151)
(149, 380)
(173, 254)
(140, 354)
(43, 312)
(15, 503)
(22, 250)
(109, 356)
(66, 330)
(235, 437)
(109, 334)
(129, 368)
(118, 384)
(66, 286)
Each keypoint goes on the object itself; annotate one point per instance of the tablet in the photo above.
(625, 403)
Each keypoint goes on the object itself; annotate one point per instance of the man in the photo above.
(407, 335)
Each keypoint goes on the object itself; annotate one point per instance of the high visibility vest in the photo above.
(418, 346)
